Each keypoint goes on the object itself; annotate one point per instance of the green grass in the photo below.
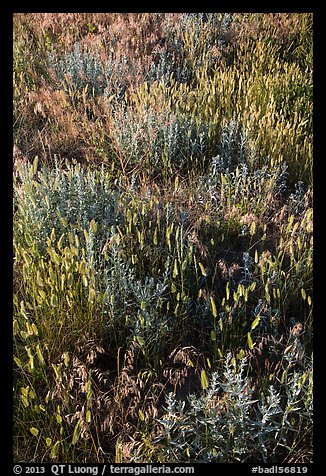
(163, 241)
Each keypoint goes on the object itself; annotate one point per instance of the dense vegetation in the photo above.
(163, 237)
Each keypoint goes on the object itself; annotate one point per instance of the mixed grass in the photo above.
(163, 240)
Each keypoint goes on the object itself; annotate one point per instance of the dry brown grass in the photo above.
(137, 35)
(280, 27)
(51, 121)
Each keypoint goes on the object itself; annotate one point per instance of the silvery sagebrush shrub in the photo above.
(166, 64)
(233, 147)
(227, 423)
(79, 69)
(209, 33)
(133, 299)
(151, 138)
(81, 203)
(171, 58)
(120, 73)
(195, 23)
(135, 133)
(66, 200)
(143, 299)
(182, 138)
(242, 186)
(112, 77)
(297, 201)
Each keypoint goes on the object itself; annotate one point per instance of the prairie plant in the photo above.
(158, 141)
(78, 70)
(64, 200)
(229, 422)
(184, 260)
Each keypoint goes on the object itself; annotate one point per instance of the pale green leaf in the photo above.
(255, 323)
(202, 269)
(249, 340)
(214, 310)
(34, 431)
(203, 379)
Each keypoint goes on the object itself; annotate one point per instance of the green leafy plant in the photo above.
(163, 237)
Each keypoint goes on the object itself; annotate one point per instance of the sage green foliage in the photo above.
(163, 248)
(243, 431)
